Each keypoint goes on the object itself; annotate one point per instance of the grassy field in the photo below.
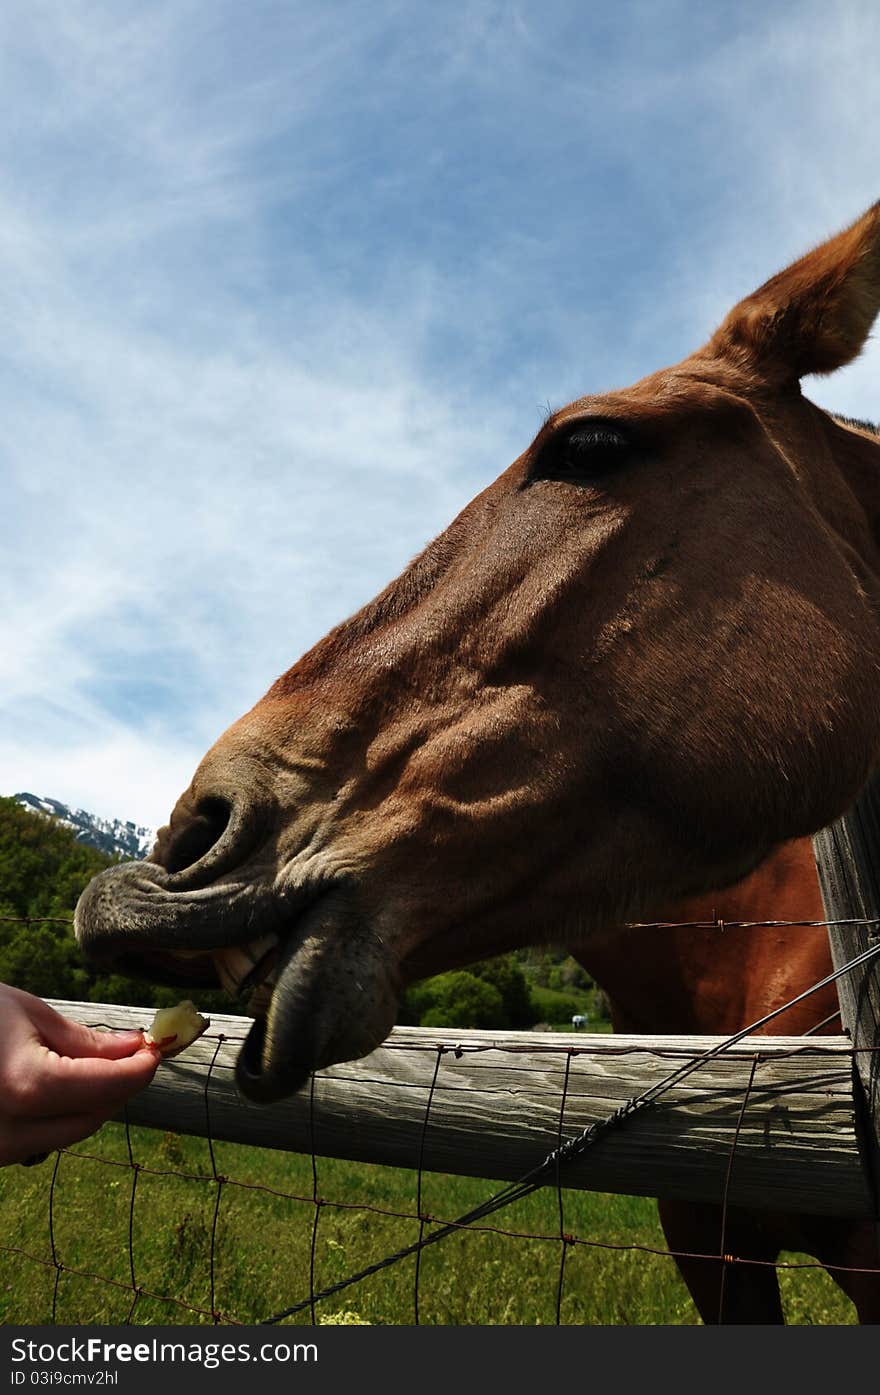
(263, 1245)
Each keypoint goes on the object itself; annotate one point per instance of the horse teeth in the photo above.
(240, 966)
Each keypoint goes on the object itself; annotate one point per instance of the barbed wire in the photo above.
(716, 923)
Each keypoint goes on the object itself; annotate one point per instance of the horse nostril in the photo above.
(190, 844)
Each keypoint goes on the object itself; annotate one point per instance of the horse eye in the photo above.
(588, 450)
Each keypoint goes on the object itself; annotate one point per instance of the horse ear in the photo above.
(813, 317)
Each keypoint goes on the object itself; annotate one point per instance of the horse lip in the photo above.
(136, 910)
(259, 1085)
(334, 999)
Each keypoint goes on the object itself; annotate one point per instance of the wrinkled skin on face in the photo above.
(642, 658)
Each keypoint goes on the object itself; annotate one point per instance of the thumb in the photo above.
(88, 1084)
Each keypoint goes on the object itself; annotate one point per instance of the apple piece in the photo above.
(173, 1029)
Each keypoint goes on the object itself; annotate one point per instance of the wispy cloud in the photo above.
(282, 286)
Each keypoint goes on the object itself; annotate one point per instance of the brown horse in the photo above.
(714, 982)
(632, 667)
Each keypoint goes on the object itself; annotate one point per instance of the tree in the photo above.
(456, 999)
(505, 974)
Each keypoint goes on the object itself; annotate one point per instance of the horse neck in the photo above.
(718, 980)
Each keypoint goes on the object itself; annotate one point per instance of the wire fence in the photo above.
(309, 1292)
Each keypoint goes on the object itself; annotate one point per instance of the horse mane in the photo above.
(871, 426)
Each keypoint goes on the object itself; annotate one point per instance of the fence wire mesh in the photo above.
(130, 1233)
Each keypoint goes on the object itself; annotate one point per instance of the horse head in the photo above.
(638, 661)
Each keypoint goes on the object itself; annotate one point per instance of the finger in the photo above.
(45, 1135)
(73, 1039)
(86, 1084)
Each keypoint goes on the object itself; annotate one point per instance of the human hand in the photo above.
(59, 1081)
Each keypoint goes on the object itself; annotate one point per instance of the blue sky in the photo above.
(282, 285)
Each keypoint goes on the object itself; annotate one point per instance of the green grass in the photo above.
(263, 1245)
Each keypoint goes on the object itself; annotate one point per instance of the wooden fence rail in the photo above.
(497, 1097)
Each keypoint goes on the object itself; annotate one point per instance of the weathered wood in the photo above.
(848, 862)
(496, 1103)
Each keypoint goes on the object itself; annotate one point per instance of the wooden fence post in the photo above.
(848, 863)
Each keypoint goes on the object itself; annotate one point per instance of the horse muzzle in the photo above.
(322, 983)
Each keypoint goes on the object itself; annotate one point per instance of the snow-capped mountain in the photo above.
(110, 835)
